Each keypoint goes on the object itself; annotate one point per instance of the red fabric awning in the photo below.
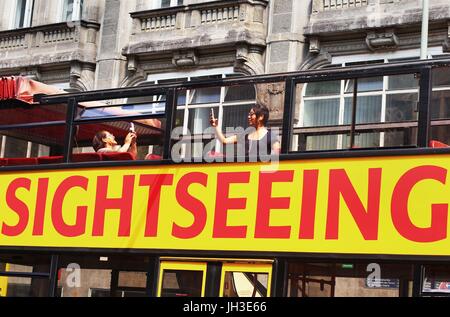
(23, 88)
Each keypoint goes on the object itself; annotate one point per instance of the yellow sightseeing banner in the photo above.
(379, 205)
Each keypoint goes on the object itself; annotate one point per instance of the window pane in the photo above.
(403, 137)
(365, 84)
(401, 107)
(437, 279)
(24, 286)
(149, 132)
(441, 76)
(244, 284)
(236, 116)
(44, 140)
(407, 81)
(241, 92)
(181, 93)
(368, 109)
(182, 283)
(32, 114)
(321, 112)
(179, 119)
(321, 142)
(441, 133)
(205, 95)
(440, 104)
(15, 147)
(199, 119)
(323, 88)
(362, 140)
(125, 110)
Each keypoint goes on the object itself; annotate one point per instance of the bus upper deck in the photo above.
(316, 113)
(361, 180)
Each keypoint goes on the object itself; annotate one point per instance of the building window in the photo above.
(230, 104)
(166, 3)
(72, 10)
(24, 14)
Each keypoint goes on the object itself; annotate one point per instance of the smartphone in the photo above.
(131, 129)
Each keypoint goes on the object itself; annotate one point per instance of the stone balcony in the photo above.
(375, 25)
(356, 15)
(48, 45)
(185, 30)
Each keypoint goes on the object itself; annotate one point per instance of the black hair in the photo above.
(261, 110)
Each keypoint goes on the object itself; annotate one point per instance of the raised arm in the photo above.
(225, 140)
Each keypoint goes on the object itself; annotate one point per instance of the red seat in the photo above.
(117, 156)
(437, 144)
(86, 157)
(21, 161)
(3, 161)
(50, 159)
(153, 157)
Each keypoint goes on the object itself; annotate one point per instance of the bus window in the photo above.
(27, 283)
(182, 279)
(349, 280)
(440, 105)
(245, 280)
(96, 275)
(436, 281)
(149, 137)
(32, 145)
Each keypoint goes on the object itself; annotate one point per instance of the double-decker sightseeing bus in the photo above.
(356, 203)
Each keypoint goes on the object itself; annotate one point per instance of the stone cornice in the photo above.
(49, 27)
(196, 6)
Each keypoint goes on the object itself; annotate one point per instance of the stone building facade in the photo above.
(97, 44)
(85, 45)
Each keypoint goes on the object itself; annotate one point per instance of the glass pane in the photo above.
(44, 140)
(179, 118)
(441, 133)
(181, 93)
(400, 137)
(407, 81)
(441, 76)
(205, 95)
(199, 119)
(78, 281)
(126, 110)
(182, 283)
(348, 280)
(362, 140)
(245, 284)
(240, 92)
(437, 279)
(15, 147)
(365, 84)
(321, 112)
(323, 88)
(440, 104)
(32, 114)
(149, 132)
(368, 109)
(321, 142)
(24, 286)
(235, 116)
(401, 107)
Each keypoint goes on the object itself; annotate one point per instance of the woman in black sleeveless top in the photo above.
(259, 141)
